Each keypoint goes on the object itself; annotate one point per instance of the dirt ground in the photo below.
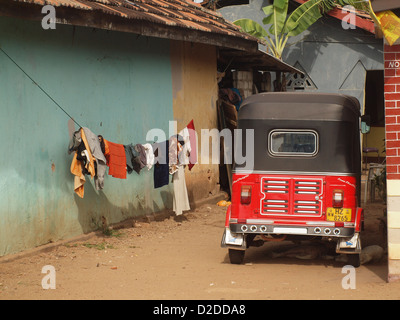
(176, 260)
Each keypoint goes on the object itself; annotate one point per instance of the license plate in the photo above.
(338, 214)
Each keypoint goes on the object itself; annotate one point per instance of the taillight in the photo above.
(245, 195)
(337, 198)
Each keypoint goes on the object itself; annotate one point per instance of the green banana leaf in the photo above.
(307, 14)
(275, 15)
(282, 26)
(251, 27)
(357, 4)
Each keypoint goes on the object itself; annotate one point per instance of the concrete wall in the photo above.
(195, 92)
(117, 84)
(336, 60)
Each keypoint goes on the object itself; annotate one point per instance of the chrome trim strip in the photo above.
(307, 207)
(260, 221)
(307, 192)
(306, 202)
(305, 182)
(275, 206)
(307, 188)
(275, 201)
(277, 187)
(238, 171)
(277, 181)
(320, 223)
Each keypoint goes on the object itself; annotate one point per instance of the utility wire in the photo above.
(40, 88)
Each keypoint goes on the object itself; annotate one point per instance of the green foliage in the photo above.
(282, 26)
(275, 15)
(306, 15)
(252, 28)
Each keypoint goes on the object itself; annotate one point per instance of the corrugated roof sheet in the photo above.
(175, 13)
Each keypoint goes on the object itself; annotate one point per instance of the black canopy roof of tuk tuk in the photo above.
(295, 105)
(335, 118)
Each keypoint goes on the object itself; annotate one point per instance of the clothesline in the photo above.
(93, 154)
(39, 86)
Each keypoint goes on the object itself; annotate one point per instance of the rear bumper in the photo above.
(314, 230)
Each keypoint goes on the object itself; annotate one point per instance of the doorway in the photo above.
(374, 141)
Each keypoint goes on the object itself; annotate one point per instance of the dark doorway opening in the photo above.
(374, 97)
(374, 141)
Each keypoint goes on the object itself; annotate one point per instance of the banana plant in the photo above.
(283, 26)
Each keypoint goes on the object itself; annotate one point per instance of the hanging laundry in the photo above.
(82, 155)
(116, 159)
(175, 149)
(95, 148)
(76, 165)
(142, 159)
(131, 154)
(94, 153)
(149, 155)
(79, 178)
(161, 163)
(185, 154)
(135, 157)
(177, 169)
(75, 141)
(79, 167)
(193, 145)
(180, 198)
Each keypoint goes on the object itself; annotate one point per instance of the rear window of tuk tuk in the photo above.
(293, 142)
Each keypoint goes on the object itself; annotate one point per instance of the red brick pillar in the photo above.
(392, 119)
(392, 110)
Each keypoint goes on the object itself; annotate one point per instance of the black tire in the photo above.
(354, 260)
(236, 256)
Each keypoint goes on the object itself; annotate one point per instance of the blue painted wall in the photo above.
(116, 84)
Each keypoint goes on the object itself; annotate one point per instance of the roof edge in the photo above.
(97, 19)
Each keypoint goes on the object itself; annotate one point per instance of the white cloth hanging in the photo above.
(180, 199)
(149, 155)
(186, 148)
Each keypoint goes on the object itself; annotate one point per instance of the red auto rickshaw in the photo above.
(306, 179)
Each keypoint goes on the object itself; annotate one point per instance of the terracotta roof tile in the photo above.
(179, 13)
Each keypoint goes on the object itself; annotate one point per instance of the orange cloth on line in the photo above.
(76, 168)
(79, 179)
(116, 159)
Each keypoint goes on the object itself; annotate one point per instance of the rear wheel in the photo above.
(236, 256)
